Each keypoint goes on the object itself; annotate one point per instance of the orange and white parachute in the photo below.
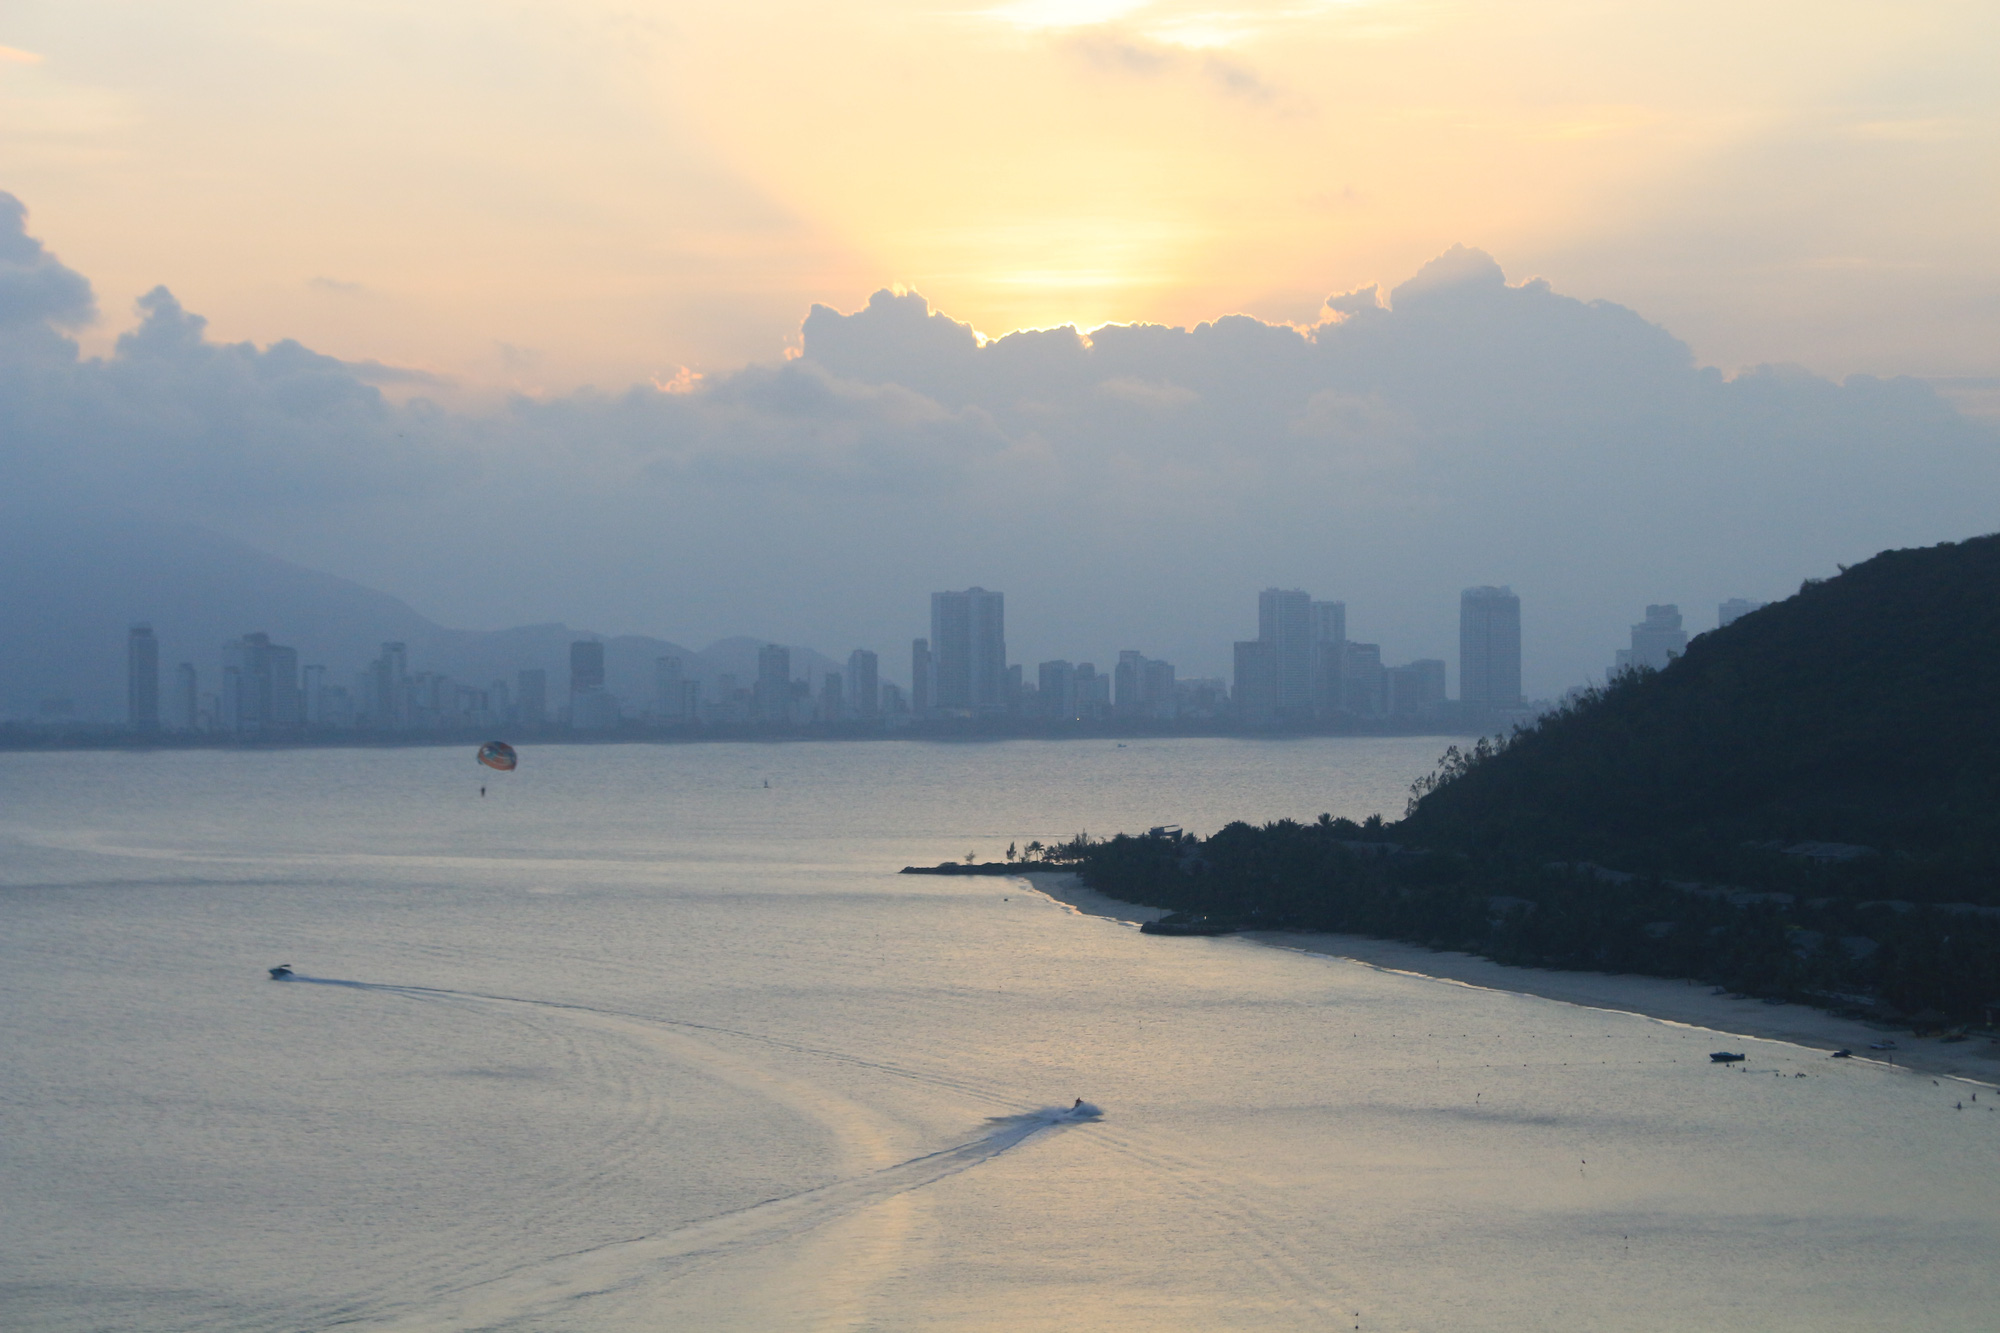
(500, 755)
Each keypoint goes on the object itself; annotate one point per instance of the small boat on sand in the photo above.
(1842, 1054)
(1726, 1057)
(281, 972)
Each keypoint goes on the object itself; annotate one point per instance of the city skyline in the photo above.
(1300, 672)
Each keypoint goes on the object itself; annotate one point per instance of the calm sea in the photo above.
(655, 1038)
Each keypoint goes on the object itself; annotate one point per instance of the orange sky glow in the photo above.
(547, 194)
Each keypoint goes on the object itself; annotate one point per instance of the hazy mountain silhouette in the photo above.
(77, 580)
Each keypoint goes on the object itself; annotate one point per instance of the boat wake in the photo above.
(530, 1296)
(554, 1290)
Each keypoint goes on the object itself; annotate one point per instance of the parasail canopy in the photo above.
(498, 754)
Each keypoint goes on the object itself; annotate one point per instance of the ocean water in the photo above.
(639, 1042)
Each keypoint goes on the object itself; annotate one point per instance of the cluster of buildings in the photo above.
(262, 691)
(1659, 638)
(1300, 671)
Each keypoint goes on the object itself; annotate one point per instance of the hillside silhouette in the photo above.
(1864, 710)
(1802, 807)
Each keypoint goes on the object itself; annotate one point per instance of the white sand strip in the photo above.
(1653, 997)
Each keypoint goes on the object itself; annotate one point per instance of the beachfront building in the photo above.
(1329, 635)
(864, 694)
(1656, 640)
(1255, 692)
(1489, 649)
(142, 679)
(969, 639)
(1285, 621)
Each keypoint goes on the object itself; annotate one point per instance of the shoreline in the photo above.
(1688, 1003)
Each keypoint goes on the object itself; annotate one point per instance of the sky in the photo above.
(561, 269)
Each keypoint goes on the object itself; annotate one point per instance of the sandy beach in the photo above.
(1696, 1005)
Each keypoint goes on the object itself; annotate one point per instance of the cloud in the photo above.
(14, 56)
(37, 292)
(337, 286)
(1131, 486)
(1114, 51)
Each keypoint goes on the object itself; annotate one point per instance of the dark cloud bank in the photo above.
(1128, 489)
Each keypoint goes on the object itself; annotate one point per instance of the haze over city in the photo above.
(562, 322)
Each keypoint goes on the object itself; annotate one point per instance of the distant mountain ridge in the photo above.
(72, 583)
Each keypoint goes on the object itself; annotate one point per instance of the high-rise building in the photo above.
(1656, 640)
(923, 677)
(969, 638)
(1734, 610)
(1162, 700)
(531, 697)
(1489, 648)
(1363, 686)
(184, 711)
(142, 679)
(1093, 692)
(669, 690)
(1285, 621)
(388, 689)
(832, 698)
(1128, 684)
(586, 666)
(1143, 687)
(771, 696)
(1055, 690)
(265, 687)
(1329, 632)
(1255, 691)
(864, 691)
(1416, 689)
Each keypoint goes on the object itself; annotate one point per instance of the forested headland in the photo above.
(1805, 805)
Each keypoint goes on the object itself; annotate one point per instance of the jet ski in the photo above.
(282, 972)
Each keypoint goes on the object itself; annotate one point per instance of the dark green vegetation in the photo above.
(1677, 822)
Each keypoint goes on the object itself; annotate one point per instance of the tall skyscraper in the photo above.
(968, 636)
(1489, 648)
(586, 666)
(1055, 691)
(1128, 684)
(1255, 691)
(771, 696)
(1285, 621)
(832, 698)
(265, 685)
(142, 679)
(923, 677)
(864, 693)
(1093, 692)
(1329, 633)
